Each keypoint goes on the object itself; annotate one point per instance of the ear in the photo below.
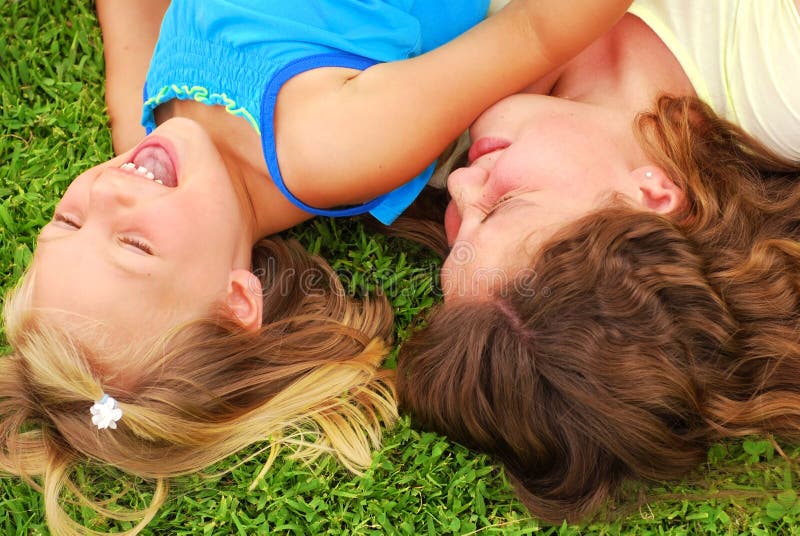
(657, 192)
(244, 298)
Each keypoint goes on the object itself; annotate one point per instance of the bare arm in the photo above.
(365, 134)
(130, 31)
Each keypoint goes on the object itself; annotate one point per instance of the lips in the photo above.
(156, 157)
(483, 146)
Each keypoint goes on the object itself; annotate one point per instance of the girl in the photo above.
(166, 345)
(637, 288)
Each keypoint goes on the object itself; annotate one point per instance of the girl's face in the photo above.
(536, 164)
(139, 256)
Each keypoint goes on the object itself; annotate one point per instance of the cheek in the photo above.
(204, 248)
(202, 216)
(543, 160)
(523, 168)
(452, 222)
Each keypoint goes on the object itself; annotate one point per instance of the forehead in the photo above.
(504, 247)
(477, 268)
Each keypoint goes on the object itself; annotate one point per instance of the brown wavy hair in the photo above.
(311, 377)
(636, 339)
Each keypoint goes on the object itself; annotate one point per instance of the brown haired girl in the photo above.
(616, 298)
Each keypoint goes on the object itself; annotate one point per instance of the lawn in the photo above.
(53, 126)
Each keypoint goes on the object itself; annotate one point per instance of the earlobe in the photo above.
(657, 191)
(244, 299)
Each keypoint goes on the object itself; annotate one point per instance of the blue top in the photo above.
(239, 53)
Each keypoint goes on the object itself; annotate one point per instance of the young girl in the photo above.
(165, 344)
(637, 288)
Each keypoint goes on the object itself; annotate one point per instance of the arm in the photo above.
(365, 133)
(130, 31)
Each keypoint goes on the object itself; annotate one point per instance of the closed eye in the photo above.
(143, 247)
(66, 220)
(140, 246)
(497, 206)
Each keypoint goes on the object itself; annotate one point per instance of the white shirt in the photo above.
(742, 57)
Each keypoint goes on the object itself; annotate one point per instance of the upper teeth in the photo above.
(140, 170)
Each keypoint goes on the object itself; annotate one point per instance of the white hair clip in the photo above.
(105, 413)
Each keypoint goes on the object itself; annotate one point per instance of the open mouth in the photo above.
(154, 162)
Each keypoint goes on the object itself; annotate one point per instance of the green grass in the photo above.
(53, 126)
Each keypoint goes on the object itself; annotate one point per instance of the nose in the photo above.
(113, 190)
(466, 186)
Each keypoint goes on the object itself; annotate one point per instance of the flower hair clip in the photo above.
(105, 413)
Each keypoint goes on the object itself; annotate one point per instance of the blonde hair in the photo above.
(311, 377)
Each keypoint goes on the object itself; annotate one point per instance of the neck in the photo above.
(266, 209)
(621, 75)
(627, 69)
